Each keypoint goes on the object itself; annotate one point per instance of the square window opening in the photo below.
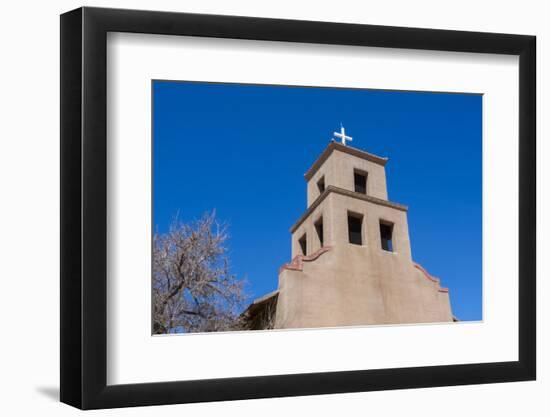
(355, 226)
(386, 236)
(360, 181)
(319, 230)
(321, 185)
(303, 244)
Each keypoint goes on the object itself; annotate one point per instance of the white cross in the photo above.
(342, 135)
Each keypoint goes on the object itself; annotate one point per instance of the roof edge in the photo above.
(342, 191)
(335, 146)
(259, 301)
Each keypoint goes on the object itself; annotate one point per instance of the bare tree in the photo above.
(193, 289)
(259, 315)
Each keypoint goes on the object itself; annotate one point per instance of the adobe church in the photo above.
(351, 254)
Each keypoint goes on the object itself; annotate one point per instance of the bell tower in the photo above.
(346, 195)
(351, 253)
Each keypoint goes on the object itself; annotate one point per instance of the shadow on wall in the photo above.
(50, 392)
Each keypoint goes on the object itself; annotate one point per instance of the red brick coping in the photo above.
(297, 262)
(430, 277)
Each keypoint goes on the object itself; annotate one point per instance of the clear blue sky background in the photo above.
(243, 150)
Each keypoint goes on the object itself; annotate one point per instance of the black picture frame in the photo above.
(84, 207)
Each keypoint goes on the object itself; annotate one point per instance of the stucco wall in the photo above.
(372, 215)
(358, 285)
(355, 284)
(338, 171)
(334, 211)
(324, 210)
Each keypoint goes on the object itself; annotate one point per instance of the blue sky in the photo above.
(243, 150)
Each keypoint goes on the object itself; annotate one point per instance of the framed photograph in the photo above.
(258, 208)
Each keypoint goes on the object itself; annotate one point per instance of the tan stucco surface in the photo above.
(352, 285)
(338, 171)
(345, 284)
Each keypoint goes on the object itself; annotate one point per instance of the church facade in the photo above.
(351, 261)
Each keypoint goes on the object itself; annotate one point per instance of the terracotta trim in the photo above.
(430, 277)
(297, 263)
(335, 146)
(352, 194)
(426, 273)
